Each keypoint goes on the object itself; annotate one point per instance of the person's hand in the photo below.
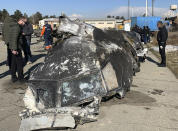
(40, 37)
(161, 47)
(14, 52)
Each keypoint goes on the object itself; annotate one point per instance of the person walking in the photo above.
(27, 33)
(162, 37)
(47, 32)
(12, 34)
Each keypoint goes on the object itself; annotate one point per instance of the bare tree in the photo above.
(17, 14)
(109, 16)
(3, 14)
(35, 18)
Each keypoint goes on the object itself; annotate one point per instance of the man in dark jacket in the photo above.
(12, 35)
(162, 37)
(148, 33)
(27, 32)
(4, 36)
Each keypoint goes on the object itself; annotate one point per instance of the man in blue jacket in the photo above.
(47, 32)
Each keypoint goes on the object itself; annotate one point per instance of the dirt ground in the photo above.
(151, 105)
(172, 61)
(172, 38)
(172, 57)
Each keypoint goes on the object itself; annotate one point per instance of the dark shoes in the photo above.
(21, 81)
(14, 79)
(161, 65)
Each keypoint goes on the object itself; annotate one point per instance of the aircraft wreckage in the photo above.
(87, 65)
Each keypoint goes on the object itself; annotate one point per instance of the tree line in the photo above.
(34, 19)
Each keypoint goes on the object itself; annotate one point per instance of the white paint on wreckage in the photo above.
(81, 31)
(75, 28)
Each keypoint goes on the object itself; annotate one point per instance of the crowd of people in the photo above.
(162, 37)
(17, 35)
(145, 33)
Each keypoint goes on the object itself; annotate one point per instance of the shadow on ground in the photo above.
(36, 57)
(27, 74)
(151, 60)
(10, 87)
(3, 63)
(4, 74)
(132, 98)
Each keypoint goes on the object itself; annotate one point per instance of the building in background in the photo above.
(127, 25)
(102, 23)
(108, 23)
(119, 24)
(35, 27)
(54, 22)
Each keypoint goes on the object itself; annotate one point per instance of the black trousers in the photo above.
(162, 52)
(27, 50)
(9, 57)
(17, 65)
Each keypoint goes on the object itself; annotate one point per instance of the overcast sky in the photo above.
(85, 8)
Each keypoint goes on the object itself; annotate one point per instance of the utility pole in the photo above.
(153, 7)
(128, 9)
(146, 14)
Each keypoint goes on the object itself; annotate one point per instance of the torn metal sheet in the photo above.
(78, 90)
(111, 81)
(135, 41)
(79, 71)
(47, 121)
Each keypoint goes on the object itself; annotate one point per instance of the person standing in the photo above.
(4, 36)
(27, 33)
(145, 35)
(12, 34)
(148, 32)
(162, 37)
(47, 32)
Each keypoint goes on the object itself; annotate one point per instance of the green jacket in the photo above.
(12, 34)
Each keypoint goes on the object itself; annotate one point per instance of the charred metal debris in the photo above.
(86, 65)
